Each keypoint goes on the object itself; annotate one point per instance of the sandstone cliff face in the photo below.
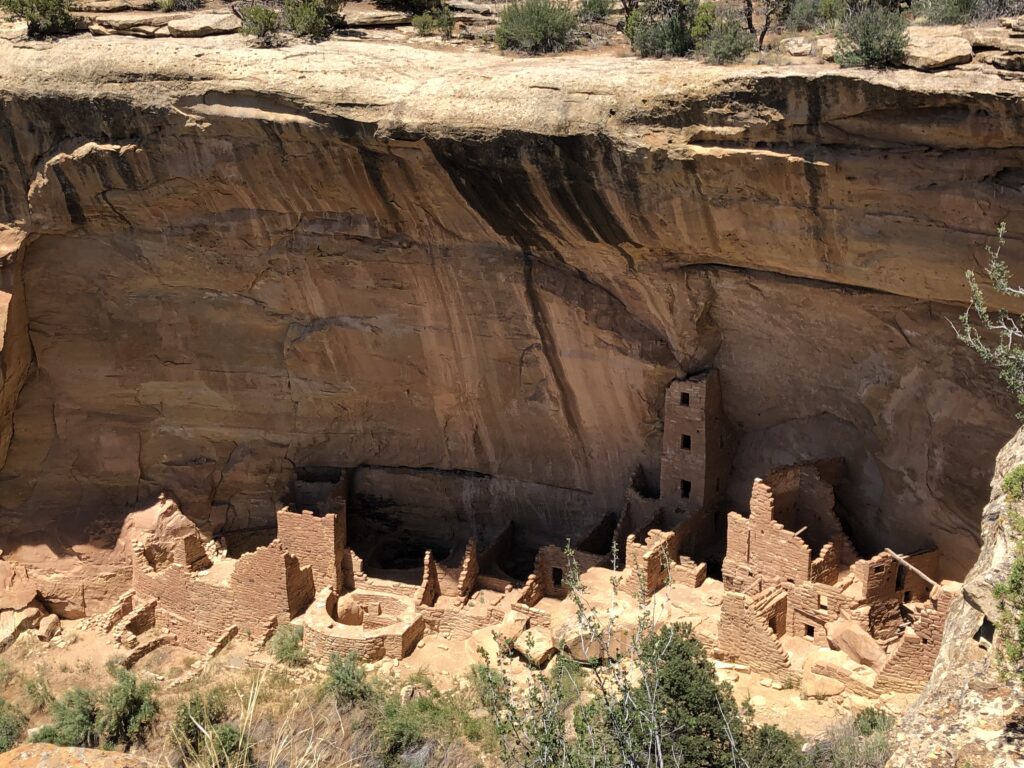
(228, 266)
(970, 714)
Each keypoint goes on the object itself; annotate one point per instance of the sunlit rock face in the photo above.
(228, 267)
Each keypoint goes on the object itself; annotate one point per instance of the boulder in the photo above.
(826, 48)
(798, 46)
(205, 25)
(535, 647)
(375, 17)
(815, 686)
(349, 611)
(48, 627)
(13, 623)
(929, 50)
(853, 640)
(982, 39)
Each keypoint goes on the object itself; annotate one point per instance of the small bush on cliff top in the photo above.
(168, 6)
(259, 21)
(536, 26)
(861, 742)
(727, 41)
(439, 20)
(662, 27)
(12, 726)
(44, 17)
(594, 10)
(310, 18)
(286, 645)
(874, 37)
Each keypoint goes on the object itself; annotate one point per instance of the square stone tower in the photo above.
(695, 450)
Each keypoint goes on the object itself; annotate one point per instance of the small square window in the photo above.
(684, 488)
(809, 631)
(684, 398)
(877, 568)
(686, 442)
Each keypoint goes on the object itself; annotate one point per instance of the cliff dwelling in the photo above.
(781, 592)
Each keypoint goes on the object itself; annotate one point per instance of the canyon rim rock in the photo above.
(227, 268)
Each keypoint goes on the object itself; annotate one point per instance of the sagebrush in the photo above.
(44, 17)
(874, 36)
(537, 26)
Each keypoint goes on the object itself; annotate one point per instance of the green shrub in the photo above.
(286, 645)
(401, 726)
(662, 27)
(594, 10)
(950, 11)
(807, 15)
(203, 734)
(44, 17)
(199, 712)
(861, 742)
(728, 41)
(771, 747)
(703, 20)
(127, 709)
(12, 726)
(1010, 594)
(74, 721)
(346, 679)
(873, 37)
(873, 720)
(1013, 483)
(37, 689)
(439, 20)
(536, 26)
(178, 5)
(310, 18)
(259, 21)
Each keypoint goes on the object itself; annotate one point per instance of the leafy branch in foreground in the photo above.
(996, 335)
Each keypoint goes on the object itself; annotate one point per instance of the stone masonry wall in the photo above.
(318, 542)
(746, 637)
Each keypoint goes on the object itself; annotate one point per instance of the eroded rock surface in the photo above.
(472, 276)
(970, 713)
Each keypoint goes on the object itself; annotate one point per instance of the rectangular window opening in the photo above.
(823, 602)
(556, 576)
(686, 442)
(684, 398)
(684, 488)
(906, 597)
(809, 631)
(876, 569)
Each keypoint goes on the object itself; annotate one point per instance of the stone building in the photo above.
(792, 573)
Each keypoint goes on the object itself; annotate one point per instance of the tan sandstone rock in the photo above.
(535, 646)
(850, 638)
(204, 25)
(928, 50)
(49, 756)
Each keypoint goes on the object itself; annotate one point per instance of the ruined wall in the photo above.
(262, 588)
(318, 542)
(745, 636)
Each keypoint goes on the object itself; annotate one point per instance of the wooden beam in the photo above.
(919, 572)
